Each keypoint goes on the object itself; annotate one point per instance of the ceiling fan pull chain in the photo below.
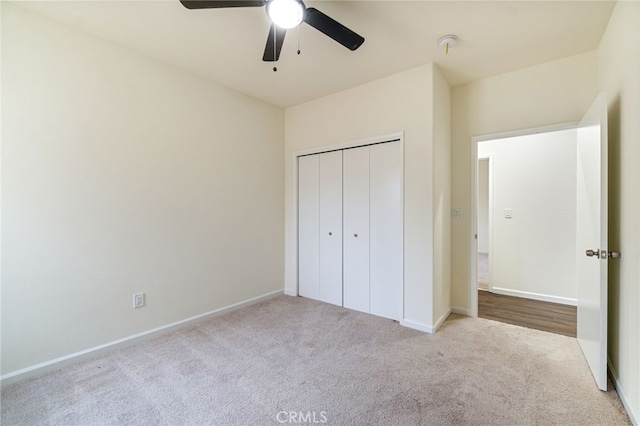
(275, 42)
(294, 12)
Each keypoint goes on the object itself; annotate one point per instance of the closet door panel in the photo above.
(309, 226)
(386, 227)
(331, 227)
(356, 228)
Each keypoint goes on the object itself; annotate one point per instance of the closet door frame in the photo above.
(392, 137)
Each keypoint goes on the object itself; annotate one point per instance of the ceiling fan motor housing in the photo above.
(299, 13)
(286, 14)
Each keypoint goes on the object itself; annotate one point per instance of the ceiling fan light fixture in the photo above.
(285, 13)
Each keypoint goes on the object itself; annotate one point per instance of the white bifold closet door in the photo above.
(373, 229)
(320, 227)
(350, 236)
(309, 226)
(386, 241)
(331, 227)
(356, 228)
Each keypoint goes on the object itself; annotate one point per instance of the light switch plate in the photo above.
(457, 213)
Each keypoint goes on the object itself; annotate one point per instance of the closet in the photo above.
(350, 228)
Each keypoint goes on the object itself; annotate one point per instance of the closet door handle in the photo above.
(330, 233)
(594, 253)
(355, 235)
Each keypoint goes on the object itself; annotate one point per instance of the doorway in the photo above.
(524, 217)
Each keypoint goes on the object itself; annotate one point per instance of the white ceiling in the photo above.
(226, 45)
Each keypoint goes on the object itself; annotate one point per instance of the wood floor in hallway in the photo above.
(545, 316)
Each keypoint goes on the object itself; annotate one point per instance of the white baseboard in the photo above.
(417, 326)
(56, 364)
(290, 292)
(633, 416)
(535, 296)
(461, 311)
(424, 327)
(441, 320)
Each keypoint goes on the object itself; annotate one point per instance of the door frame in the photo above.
(396, 136)
(472, 284)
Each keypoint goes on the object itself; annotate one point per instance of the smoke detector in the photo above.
(447, 41)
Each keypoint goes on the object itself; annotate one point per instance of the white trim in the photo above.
(290, 293)
(461, 311)
(417, 326)
(294, 243)
(431, 329)
(441, 320)
(55, 364)
(525, 132)
(473, 249)
(483, 251)
(490, 219)
(473, 279)
(350, 144)
(400, 135)
(633, 416)
(535, 296)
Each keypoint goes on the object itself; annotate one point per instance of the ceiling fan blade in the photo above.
(271, 53)
(218, 4)
(333, 29)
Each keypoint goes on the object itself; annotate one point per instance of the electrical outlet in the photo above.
(138, 300)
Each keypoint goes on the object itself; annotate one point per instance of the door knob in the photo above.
(603, 254)
(355, 235)
(330, 233)
(592, 253)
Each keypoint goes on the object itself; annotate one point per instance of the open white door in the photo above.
(592, 251)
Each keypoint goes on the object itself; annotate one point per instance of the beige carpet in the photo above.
(296, 355)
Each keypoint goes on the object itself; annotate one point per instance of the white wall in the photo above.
(555, 92)
(483, 205)
(534, 253)
(123, 175)
(401, 102)
(441, 197)
(619, 77)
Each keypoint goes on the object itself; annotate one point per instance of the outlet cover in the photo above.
(138, 300)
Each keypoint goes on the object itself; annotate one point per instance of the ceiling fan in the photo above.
(284, 15)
